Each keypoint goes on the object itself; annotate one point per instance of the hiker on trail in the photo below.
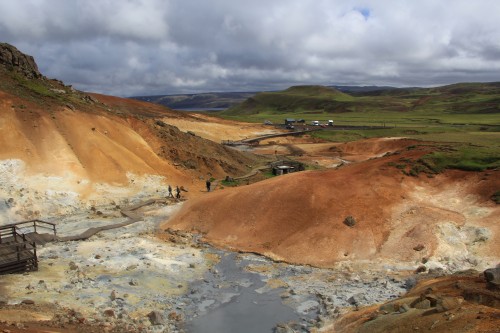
(177, 192)
(208, 185)
(170, 195)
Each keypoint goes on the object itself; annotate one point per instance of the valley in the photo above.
(387, 229)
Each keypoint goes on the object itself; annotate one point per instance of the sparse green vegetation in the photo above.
(268, 174)
(464, 157)
(40, 91)
(229, 183)
(452, 156)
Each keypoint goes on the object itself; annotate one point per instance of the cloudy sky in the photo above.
(146, 47)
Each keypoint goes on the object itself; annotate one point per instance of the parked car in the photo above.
(268, 122)
(315, 123)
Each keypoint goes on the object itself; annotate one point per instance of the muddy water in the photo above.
(247, 309)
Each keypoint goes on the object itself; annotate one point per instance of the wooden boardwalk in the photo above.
(18, 241)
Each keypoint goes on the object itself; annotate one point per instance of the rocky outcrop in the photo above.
(464, 302)
(492, 275)
(13, 59)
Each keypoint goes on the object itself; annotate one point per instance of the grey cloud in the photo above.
(168, 46)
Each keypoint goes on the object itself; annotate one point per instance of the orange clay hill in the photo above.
(305, 217)
(54, 137)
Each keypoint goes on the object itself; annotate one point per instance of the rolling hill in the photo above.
(62, 149)
(301, 217)
(464, 98)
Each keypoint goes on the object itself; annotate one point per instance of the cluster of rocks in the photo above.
(112, 316)
(425, 301)
(182, 238)
(13, 59)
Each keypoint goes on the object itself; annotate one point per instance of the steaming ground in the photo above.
(29, 196)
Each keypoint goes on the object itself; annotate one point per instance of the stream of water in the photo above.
(248, 310)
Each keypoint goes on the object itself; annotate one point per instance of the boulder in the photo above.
(423, 304)
(419, 247)
(433, 299)
(356, 299)
(109, 313)
(404, 308)
(492, 276)
(449, 303)
(410, 282)
(156, 318)
(388, 308)
(350, 221)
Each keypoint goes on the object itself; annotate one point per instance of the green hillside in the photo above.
(462, 119)
(464, 98)
(294, 99)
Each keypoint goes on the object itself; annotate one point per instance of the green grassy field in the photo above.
(463, 119)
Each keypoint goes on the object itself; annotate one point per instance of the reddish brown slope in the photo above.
(299, 217)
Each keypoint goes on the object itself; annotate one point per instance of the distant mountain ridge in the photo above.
(224, 100)
(460, 98)
(213, 100)
(456, 98)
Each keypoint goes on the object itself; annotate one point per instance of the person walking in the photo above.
(177, 192)
(170, 195)
(209, 184)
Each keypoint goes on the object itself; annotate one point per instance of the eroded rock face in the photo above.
(12, 58)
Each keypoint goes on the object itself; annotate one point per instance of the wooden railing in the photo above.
(34, 225)
(17, 253)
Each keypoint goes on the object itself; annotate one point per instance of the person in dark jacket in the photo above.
(208, 185)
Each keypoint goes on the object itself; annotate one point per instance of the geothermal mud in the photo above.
(128, 279)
